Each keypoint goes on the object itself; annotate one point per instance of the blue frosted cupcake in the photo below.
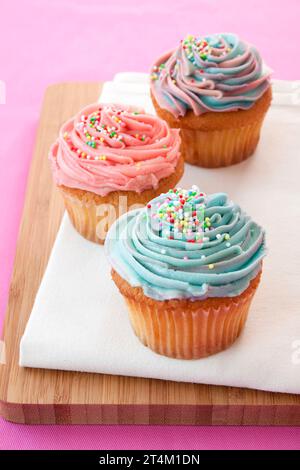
(188, 266)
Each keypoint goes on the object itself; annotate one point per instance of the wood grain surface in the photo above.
(43, 396)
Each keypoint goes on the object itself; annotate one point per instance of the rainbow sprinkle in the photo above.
(196, 46)
(158, 71)
(180, 215)
(199, 51)
(100, 136)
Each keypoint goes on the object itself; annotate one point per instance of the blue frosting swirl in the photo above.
(185, 244)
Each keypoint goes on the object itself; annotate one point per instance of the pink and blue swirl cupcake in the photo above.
(215, 90)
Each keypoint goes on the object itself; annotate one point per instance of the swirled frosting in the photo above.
(211, 73)
(109, 147)
(185, 244)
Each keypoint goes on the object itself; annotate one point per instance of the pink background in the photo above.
(47, 41)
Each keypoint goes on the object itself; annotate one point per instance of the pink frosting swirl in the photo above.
(110, 147)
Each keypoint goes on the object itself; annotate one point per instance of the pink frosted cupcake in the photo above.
(110, 158)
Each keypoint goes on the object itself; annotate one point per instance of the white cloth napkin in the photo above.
(79, 320)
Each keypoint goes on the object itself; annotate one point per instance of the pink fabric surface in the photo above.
(47, 41)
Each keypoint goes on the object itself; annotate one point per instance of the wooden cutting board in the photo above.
(36, 396)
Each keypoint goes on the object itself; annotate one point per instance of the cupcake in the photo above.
(188, 266)
(214, 89)
(110, 158)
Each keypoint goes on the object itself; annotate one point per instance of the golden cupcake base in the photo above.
(218, 139)
(185, 329)
(219, 148)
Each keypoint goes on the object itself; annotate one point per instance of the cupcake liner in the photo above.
(219, 139)
(192, 332)
(93, 219)
(87, 218)
(218, 148)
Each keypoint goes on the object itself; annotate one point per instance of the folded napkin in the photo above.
(79, 320)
